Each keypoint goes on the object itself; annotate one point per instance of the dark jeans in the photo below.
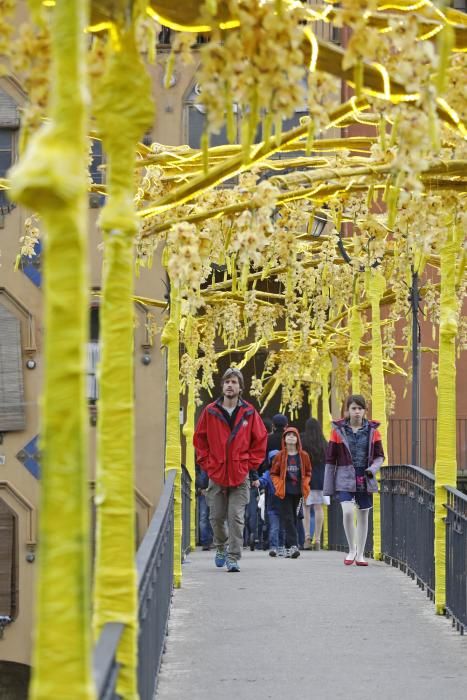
(289, 505)
(205, 529)
(276, 534)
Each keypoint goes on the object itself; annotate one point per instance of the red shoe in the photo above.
(349, 562)
(361, 563)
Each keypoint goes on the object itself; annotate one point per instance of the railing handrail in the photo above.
(152, 533)
(104, 655)
(456, 492)
(420, 470)
(105, 650)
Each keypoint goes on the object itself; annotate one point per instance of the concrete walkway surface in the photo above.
(284, 629)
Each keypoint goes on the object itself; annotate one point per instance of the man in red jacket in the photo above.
(230, 441)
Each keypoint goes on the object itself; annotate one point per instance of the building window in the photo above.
(12, 413)
(8, 562)
(6, 159)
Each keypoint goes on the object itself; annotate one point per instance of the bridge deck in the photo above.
(309, 627)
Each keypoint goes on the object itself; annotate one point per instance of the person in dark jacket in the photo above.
(230, 442)
(314, 443)
(291, 474)
(354, 456)
(204, 526)
(274, 444)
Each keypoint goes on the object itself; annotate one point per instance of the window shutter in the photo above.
(12, 413)
(7, 561)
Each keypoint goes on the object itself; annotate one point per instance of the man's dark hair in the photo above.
(356, 398)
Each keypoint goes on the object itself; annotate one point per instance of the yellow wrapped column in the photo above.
(52, 180)
(123, 112)
(376, 284)
(326, 368)
(173, 451)
(188, 432)
(356, 332)
(446, 464)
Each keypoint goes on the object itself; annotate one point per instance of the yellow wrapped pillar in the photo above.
(376, 285)
(356, 332)
(51, 179)
(188, 432)
(446, 464)
(173, 451)
(123, 112)
(326, 368)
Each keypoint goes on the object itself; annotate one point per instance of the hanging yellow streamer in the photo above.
(446, 464)
(173, 451)
(51, 179)
(123, 111)
(376, 285)
(188, 432)
(356, 332)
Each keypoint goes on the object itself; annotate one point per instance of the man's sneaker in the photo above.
(273, 552)
(294, 552)
(232, 565)
(281, 552)
(220, 557)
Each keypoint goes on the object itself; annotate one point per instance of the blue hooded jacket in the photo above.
(272, 502)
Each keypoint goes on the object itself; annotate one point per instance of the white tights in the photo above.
(356, 537)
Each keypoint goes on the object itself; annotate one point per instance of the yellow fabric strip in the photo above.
(52, 180)
(446, 463)
(375, 289)
(123, 112)
(173, 452)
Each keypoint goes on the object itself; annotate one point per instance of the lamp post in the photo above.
(414, 299)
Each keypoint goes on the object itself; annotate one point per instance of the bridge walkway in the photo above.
(311, 628)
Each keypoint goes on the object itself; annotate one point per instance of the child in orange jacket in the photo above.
(291, 474)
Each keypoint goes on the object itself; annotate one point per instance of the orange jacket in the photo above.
(279, 467)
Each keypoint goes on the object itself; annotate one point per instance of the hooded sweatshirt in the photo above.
(279, 467)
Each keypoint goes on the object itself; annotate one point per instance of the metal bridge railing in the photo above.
(155, 582)
(407, 522)
(456, 558)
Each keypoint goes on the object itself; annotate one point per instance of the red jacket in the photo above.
(279, 467)
(227, 456)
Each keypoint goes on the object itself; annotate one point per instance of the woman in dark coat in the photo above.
(314, 443)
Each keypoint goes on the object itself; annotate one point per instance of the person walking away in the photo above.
(291, 474)
(230, 443)
(314, 443)
(204, 526)
(354, 456)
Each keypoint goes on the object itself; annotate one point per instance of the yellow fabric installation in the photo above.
(376, 285)
(326, 368)
(173, 452)
(188, 432)
(123, 112)
(51, 179)
(445, 464)
(356, 332)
